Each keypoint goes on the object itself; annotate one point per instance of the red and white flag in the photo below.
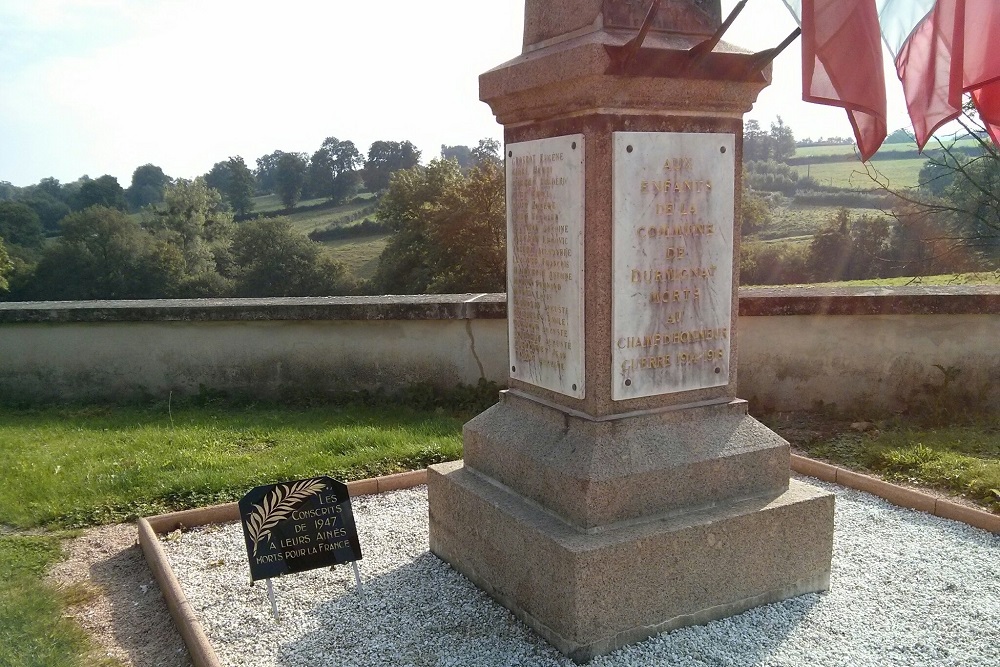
(941, 49)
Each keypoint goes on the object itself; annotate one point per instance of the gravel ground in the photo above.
(118, 602)
(908, 589)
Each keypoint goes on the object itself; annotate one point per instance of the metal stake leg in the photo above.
(357, 577)
(270, 596)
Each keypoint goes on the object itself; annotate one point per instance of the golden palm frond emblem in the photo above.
(277, 505)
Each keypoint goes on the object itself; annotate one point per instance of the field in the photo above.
(792, 221)
(358, 255)
(855, 175)
(850, 149)
(946, 279)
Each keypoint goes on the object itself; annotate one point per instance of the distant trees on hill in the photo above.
(449, 227)
(760, 145)
(188, 246)
(386, 158)
(333, 170)
(182, 238)
(235, 182)
(148, 184)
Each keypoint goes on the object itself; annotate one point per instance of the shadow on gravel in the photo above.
(425, 613)
(141, 624)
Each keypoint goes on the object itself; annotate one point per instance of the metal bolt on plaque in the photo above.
(296, 526)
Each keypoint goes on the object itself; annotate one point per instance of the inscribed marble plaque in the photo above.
(545, 185)
(673, 262)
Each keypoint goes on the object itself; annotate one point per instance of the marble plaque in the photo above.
(545, 184)
(673, 262)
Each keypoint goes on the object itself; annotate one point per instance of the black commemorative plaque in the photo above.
(298, 525)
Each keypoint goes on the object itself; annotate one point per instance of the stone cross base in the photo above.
(589, 594)
(654, 541)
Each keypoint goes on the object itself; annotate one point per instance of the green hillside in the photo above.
(856, 175)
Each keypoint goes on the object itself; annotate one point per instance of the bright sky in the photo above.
(103, 86)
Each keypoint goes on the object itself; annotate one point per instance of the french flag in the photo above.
(941, 49)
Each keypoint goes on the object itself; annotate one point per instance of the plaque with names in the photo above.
(545, 211)
(672, 262)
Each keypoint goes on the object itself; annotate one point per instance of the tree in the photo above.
(468, 234)
(104, 191)
(48, 209)
(449, 230)
(870, 258)
(830, 249)
(148, 184)
(333, 170)
(6, 266)
(7, 191)
(218, 177)
(782, 141)
(19, 224)
(194, 221)
(460, 154)
(104, 254)
(755, 213)
(235, 182)
(900, 136)
(487, 150)
(241, 186)
(756, 143)
(266, 172)
(385, 158)
(271, 259)
(290, 178)
(959, 196)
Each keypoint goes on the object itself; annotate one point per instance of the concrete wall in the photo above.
(862, 350)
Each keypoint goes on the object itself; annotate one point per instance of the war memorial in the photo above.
(619, 488)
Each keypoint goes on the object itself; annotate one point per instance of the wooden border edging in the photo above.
(897, 495)
(203, 655)
(200, 649)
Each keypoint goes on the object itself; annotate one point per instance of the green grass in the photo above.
(850, 149)
(979, 278)
(963, 460)
(307, 221)
(33, 631)
(66, 467)
(796, 221)
(268, 203)
(359, 255)
(896, 174)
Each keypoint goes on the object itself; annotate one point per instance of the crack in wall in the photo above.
(472, 345)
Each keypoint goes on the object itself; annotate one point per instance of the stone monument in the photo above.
(619, 488)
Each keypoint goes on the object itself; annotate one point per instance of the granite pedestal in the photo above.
(619, 488)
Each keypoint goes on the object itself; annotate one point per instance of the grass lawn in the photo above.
(86, 465)
(33, 632)
(962, 460)
(68, 467)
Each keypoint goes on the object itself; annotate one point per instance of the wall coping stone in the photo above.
(910, 300)
(389, 307)
(754, 302)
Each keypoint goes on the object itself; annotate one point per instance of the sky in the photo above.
(103, 86)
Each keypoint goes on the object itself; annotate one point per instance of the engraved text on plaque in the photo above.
(673, 262)
(545, 310)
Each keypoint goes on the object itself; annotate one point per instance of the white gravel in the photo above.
(907, 589)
